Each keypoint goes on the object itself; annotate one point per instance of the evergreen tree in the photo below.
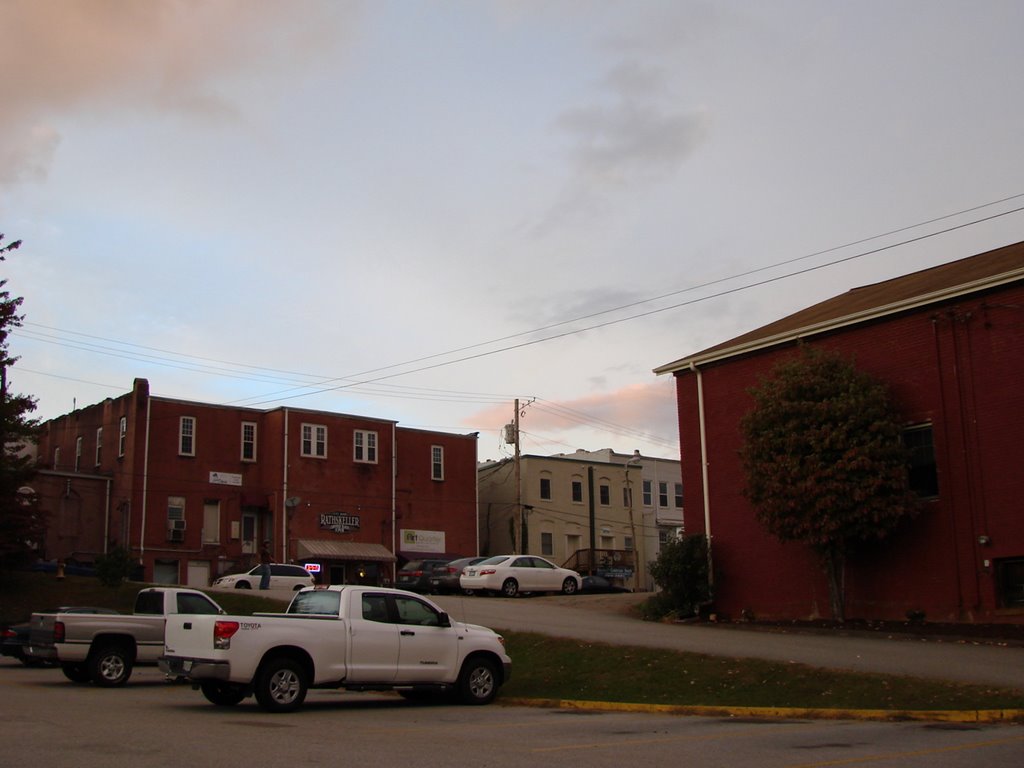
(824, 459)
(21, 526)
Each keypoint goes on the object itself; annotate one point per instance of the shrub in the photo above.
(681, 571)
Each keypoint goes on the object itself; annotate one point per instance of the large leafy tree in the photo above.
(824, 459)
(21, 526)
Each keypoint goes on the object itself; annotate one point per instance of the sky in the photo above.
(423, 211)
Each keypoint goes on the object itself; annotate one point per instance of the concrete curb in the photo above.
(938, 715)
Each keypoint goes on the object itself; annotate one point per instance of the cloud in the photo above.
(639, 413)
(157, 54)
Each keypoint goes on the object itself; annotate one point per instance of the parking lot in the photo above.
(149, 723)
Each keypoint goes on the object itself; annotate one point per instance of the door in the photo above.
(426, 649)
(373, 640)
(248, 534)
(198, 573)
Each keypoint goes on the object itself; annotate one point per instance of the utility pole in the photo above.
(519, 485)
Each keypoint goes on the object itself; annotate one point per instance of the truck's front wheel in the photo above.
(478, 681)
(110, 666)
(281, 685)
(222, 694)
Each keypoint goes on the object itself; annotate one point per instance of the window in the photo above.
(545, 488)
(628, 544)
(56, 458)
(663, 495)
(211, 522)
(413, 611)
(365, 446)
(923, 473)
(375, 608)
(78, 454)
(679, 495)
(437, 462)
(187, 436)
(248, 441)
(1010, 582)
(99, 445)
(648, 494)
(547, 544)
(192, 603)
(604, 493)
(577, 491)
(122, 435)
(314, 440)
(175, 508)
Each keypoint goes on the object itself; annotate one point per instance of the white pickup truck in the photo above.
(356, 638)
(104, 648)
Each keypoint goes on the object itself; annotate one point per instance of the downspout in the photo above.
(476, 506)
(704, 467)
(394, 498)
(145, 482)
(284, 494)
(106, 519)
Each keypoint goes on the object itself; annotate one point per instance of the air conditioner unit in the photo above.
(176, 525)
(174, 534)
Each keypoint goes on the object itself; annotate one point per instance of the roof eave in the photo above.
(923, 300)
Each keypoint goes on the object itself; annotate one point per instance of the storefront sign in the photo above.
(313, 567)
(422, 541)
(225, 478)
(339, 522)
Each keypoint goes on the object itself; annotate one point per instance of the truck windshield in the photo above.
(318, 602)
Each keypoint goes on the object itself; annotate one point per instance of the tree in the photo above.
(681, 570)
(824, 459)
(21, 526)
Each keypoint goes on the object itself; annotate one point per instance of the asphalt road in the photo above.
(603, 618)
(152, 724)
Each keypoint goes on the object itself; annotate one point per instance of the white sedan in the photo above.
(512, 574)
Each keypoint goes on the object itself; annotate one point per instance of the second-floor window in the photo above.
(648, 496)
(545, 488)
(187, 436)
(78, 454)
(437, 462)
(679, 495)
(364, 447)
(122, 435)
(248, 441)
(56, 458)
(663, 495)
(99, 446)
(577, 491)
(605, 494)
(314, 440)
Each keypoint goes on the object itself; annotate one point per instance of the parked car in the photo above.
(16, 636)
(445, 578)
(600, 585)
(512, 574)
(282, 576)
(415, 575)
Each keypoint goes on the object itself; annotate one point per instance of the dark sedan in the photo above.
(596, 585)
(445, 579)
(415, 575)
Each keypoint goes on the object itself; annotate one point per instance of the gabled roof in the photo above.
(860, 305)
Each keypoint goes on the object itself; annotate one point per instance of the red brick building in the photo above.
(949, 342)
(192, 489)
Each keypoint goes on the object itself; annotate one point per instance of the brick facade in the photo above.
(953, 364)
(323, 487)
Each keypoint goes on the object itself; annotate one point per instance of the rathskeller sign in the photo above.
(339, 522)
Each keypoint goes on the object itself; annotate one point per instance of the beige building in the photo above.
(597, 512)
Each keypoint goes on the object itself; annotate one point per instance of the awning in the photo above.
(343, 550)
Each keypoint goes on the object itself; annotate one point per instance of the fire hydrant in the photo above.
(60, 569)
